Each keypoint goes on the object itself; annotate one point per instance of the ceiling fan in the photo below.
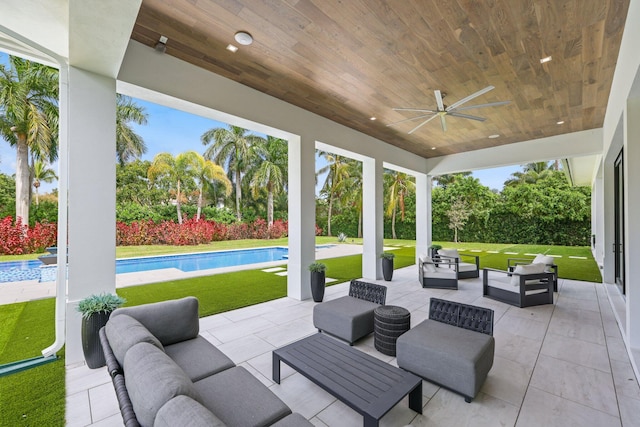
(451, 110)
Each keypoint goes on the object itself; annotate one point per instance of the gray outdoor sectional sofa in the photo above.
(166, 374)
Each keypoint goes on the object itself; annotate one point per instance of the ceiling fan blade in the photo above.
(491, 104)
(410, 119)
(467, 116)
(470, 97)
(443, 123)
(422, 124)
(439, 100)
(422, 110)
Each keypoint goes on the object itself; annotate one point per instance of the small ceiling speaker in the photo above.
(243, 38)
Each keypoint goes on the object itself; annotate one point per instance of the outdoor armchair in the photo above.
(547, 260)
(438, 273)
(525, 286)
(466, 270)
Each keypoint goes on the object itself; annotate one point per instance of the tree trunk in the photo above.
(36, 185)
(199, 204)
(455, 235)
(178, 197)
(360, 224)
(23, 183)
(238, 194)
(329, 215)
(393, 223)
(269, 205)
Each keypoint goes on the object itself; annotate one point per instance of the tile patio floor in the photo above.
(555, 365)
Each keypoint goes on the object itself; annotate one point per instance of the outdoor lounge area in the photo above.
(568, 358)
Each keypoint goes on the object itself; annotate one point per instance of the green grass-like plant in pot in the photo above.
(96, 310)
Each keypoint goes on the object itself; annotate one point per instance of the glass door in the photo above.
(618, 245)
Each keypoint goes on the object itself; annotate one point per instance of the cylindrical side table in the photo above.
(389, 322)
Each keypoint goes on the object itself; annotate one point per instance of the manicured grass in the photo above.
(35, 397)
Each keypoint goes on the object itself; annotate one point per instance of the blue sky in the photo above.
(174, 131)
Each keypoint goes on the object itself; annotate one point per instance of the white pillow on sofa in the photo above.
(523, 269)
(427, 263)
(543, 259)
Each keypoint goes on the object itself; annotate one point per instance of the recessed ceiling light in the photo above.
(545, 59)
(232, 48)
(433, 148)
(372, 118)
(494, 136)
(243, 38)
(560, 122)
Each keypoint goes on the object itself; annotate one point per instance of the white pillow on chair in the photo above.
(526, 269)
(452, 253)
(543, 259)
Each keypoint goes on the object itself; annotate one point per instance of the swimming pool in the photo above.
(16, 271)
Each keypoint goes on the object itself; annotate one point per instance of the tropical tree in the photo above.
(350, 189)
(129, 145)
(448, 179)
(337, 169)
(28, 120)
(270, 174)
(458, 215)
(399, 185)
(532, 173)
(179, 170)
(41, 173)
(234, 148)
(206, 172)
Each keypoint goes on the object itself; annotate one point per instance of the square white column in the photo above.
(302, 216)
(91, 125)
(423, 214)
(372, 221)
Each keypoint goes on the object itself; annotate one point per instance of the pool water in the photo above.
(16, 271)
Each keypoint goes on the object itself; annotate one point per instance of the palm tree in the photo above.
(232, 147)
(207, 172)
(41, 173)
(179, 170)
(448, 179)
(532, 173)
(129, 145)
(28, 120)
(399, 186)
(350, 189)
(337, 169)
(270, 174)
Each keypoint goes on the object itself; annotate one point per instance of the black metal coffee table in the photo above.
(366, 384)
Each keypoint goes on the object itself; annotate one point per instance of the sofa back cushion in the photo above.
(451, 253)
(124, 332)
(152, 380)
(543, 259)
(169, 321)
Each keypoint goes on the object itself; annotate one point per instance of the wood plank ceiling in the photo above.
(349, 60)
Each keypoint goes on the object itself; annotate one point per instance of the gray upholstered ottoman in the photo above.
(450, 348)
(350, 317)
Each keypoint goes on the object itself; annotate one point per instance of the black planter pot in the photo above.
(317, 285)
(387, 268)
(91, 346)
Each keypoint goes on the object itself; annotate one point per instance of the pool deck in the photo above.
(27, 290)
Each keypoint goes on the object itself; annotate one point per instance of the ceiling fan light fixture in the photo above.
(243, 37)
(545, 59)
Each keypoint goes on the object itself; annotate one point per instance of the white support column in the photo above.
(608, 237)
(302, 216)
(92, 193)
(632, 225)
(597, 218)
(423, 214)
(372, 221)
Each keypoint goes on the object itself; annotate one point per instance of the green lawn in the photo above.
(37, 396)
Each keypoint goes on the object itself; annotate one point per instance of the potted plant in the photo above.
(96, 310)
(434, 250)
(387, 265)
(317, 270)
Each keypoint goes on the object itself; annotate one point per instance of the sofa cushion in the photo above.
(543, 259)
(467, 266)
(240, 399)
(293, 420)
(452, 253)
(170, 321)
(152, 380)
(124, 332)
(346, 317)
(524, 269)
(184, 411)
(198, 358)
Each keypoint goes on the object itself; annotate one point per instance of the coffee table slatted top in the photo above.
(368, 385)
